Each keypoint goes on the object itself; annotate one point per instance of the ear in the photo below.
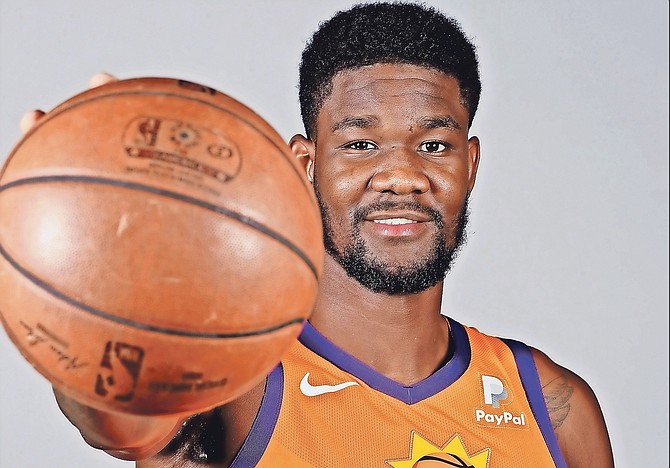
(303, 148)
(473, 161)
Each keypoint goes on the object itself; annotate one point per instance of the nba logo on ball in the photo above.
(119, 369)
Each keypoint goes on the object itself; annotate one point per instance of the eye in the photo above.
(433, 147)
(360, 145)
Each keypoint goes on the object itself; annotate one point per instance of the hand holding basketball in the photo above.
(31, 117)
(159, 247)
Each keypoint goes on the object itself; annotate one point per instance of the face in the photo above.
(393, 167)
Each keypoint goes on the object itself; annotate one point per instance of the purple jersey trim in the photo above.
(428, 387)
(531, 384)
(261, 430)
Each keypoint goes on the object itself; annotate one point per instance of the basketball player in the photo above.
(379, 377)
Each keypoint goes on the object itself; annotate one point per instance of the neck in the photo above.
(404, 337)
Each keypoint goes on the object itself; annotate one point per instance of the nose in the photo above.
(400, 173)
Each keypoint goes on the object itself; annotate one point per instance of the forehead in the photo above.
(388, 89)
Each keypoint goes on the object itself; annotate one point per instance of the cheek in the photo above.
(341, 187)
(346, 183)
(451, 194)
(452, 186)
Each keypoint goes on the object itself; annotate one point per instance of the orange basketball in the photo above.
(159, 247)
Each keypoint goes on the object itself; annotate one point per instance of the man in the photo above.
(379, 377)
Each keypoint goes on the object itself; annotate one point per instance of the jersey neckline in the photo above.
(312, 339)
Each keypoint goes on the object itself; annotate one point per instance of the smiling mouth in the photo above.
(395, 215)
(394, 221)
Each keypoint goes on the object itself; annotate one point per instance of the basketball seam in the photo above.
(170, 194)
(132, 323)
(58, 110)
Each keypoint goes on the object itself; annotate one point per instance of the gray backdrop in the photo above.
(568, 245)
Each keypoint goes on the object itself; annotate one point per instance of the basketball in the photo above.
(160, 247)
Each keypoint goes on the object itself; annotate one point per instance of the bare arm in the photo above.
(575, 415)
(213, 438)
(124, 436)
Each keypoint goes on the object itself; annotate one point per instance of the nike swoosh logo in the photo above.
(308, 389)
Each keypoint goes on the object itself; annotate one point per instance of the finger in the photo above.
(29, 119)
(100, 79)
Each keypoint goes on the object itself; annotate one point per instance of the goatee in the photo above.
(423, 273)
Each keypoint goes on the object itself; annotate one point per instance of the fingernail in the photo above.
(29, 118)
(100, 79)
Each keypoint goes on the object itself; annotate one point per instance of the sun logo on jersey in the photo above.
(424, 454)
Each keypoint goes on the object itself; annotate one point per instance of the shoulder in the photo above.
(575, 415)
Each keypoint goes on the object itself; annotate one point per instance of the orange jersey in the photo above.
(483, 409)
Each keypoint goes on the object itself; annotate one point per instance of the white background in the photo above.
(568, 247)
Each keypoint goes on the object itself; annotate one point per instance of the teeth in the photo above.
(394, 221)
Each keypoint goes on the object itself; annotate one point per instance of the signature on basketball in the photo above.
(38, 335)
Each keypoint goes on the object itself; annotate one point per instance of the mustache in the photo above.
(386, 205)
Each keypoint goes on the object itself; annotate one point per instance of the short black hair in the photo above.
(386, 32)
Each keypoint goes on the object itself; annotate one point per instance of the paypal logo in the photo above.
(494, 391)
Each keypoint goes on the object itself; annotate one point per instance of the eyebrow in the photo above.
(356, 122)
(446, 121)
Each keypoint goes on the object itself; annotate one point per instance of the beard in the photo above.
(424, 272)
